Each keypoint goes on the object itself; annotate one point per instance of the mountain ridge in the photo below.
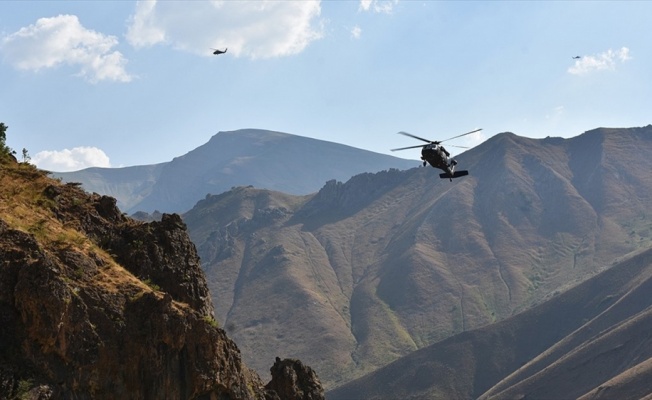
(398, 260)
(266, 159)
(574, 345)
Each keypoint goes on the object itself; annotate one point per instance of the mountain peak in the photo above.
(262, 158)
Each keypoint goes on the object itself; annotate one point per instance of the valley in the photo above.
(368, 270)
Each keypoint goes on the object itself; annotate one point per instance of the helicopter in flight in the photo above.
(437, 156)
(218, 52)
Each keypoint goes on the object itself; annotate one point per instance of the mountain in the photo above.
(129, 185)
(264, 159)
(387, 263)
(95, 305)
(590, 342)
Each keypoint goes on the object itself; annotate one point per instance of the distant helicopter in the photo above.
(436, 155)
(576, 57)
(219, 51)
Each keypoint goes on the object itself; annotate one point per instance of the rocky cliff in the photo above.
(95, 305)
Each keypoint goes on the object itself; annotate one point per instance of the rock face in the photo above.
(291, 380)
(159, 253)
(94, 305)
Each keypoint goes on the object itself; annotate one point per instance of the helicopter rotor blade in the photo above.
(459, 147)
(464, 134)
(433, 141)
(409, 147)
(415, 137)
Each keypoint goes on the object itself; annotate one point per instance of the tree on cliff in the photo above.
(4, 149)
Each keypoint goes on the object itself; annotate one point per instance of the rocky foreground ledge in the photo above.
(95, 305)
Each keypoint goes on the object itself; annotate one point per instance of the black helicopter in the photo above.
(436, 155)
(217, 52)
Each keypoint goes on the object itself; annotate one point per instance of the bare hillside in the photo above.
(591, 342)
(388, 263)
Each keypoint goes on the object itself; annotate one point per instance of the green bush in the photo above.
(211, 321)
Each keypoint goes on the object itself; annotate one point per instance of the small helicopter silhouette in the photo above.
(217, 52)
(437, 156)
(576, 58)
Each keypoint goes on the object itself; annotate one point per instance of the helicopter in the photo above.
(218, 52)
(437, 156)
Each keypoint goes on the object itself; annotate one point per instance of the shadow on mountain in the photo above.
(586, 341)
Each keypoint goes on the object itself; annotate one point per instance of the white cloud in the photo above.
(378, 6)
(58, 40)
(356, 32)
(604, 61)
(555, 116)
(71, 160)
(365, 5)
(254, 29)
(556, 113)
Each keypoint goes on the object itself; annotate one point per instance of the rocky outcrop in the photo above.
(159, 253)
(337, 200)
(291, 380)
(95, 305)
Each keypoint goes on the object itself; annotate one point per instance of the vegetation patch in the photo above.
(22, 391)
(211, 321)
(152, 285)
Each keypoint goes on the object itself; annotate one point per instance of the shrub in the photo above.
(4, 150)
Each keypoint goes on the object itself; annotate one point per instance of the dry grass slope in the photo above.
(24, 206)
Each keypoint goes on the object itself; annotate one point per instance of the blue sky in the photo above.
(120, 83)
